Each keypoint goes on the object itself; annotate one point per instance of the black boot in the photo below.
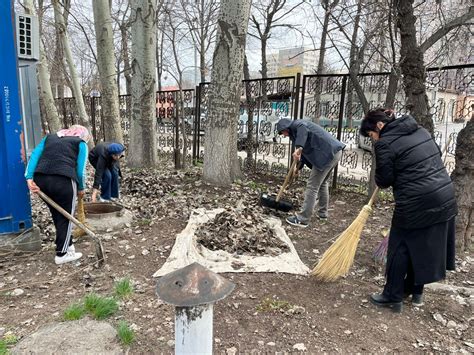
(381, 301)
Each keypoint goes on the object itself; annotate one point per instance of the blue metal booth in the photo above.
(20, 125)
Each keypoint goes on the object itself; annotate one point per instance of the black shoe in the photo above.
(417, 300)
(381, 301)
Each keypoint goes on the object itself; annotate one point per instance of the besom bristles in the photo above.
(338, 259)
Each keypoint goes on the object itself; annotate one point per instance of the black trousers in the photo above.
(400, 276)
(63, 191)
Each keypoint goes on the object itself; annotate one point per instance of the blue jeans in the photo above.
(109, 186)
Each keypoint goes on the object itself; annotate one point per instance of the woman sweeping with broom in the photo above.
(421, 243)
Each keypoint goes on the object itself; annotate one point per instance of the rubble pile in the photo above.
(240, 231)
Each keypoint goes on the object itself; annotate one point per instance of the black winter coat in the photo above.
(408, 159)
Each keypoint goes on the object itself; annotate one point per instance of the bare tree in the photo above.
(463, 179)
(221, 164)
(76, 86)
(107, 71)
(143, 140)
(200, 17)
(328, 8)
(121, 16)
(175, 34)
(268, 15)
(412, 63)
(45, 92)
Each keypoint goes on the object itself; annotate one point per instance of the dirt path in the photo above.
(266, 312)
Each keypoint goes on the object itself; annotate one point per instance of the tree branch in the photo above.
(445, 29)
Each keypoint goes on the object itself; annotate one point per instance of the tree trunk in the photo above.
(412, 66)
(221, 165)
(107, 71)
(264, 71)
(143, 140)
(46, 94)
(322, 54)
(250, 140)
(50, 116)
(127, 70)
(463, 179)
(76, 85)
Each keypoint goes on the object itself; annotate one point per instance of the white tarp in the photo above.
(187, 251)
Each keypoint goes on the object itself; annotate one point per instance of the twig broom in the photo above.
(338, 259)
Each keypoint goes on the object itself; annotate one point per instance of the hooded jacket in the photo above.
(408, 159)
(319, 146)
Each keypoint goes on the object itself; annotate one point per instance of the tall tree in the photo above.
(328, 8)
(143, 142)
(268, 15)
(45, 92)
(412, 66)
(201, 16)
(76, 85)
(221, 164)
(463, 178)
(108, 75)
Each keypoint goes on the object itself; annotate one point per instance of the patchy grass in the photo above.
(270, 304)
(91, 301)
(144, 222)
(100, 307)
(123, 288)
(3, 347)
(74, 312)
(125, 333)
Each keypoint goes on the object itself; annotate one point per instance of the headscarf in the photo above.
(75, 131)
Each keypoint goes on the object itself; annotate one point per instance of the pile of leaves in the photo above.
(241, 232)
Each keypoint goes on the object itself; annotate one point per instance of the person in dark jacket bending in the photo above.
(57, 167)
(104, 157)
(422, 236)
(321, 152)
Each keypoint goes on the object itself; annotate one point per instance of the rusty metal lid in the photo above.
(193, 285)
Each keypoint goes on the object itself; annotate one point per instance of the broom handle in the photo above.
(287, 179)
(67, 215)
(374, 195)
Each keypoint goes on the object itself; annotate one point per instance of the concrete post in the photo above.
(193, 290)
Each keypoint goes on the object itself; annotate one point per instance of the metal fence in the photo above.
(328, 99)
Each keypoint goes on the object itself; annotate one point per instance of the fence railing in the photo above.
(327, 99)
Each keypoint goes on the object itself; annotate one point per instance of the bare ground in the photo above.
(265, 312)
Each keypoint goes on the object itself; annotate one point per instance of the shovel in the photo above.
(99, 249)
(277, 203)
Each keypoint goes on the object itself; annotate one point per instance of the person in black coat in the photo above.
(104, 157)
(421, 244)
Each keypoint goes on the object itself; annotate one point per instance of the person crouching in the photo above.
(104, 157)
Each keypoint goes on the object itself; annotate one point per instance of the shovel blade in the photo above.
(271, 202)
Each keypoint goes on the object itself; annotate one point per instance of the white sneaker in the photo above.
(68, 257)
(103, 200)
(71, 248)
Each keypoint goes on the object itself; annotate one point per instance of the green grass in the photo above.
(3, 347)
(74, 312)
(91, 301)
(123, 288)
(124, 333)
(270, 304)
(100, 307)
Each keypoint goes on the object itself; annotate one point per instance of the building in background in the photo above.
(290, 61)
